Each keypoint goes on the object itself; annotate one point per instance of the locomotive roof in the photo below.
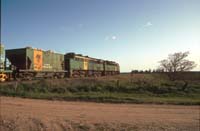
(74, 55)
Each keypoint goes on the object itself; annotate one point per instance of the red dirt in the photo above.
(30, 114)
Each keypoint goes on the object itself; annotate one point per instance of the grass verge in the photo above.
(146, 89)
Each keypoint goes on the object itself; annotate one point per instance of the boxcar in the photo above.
(29, 62)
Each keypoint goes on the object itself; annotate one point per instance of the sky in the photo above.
(135, 33)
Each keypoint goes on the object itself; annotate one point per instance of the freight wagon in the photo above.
(28, 63)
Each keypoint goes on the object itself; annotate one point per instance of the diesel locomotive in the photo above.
(29, 63)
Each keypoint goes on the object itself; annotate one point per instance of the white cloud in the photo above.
(148, 24)
(112, 37)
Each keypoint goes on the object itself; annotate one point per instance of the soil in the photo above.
(40, 115)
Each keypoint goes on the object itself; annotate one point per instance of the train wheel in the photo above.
(29, 77)
(62, 75)
(17, 77)
(3, 77)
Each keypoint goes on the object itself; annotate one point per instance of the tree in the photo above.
(177, 62)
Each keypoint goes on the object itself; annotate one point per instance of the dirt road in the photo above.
(28, 114)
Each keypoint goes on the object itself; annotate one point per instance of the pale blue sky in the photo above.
(135, 33)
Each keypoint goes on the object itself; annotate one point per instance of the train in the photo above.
(29, 63)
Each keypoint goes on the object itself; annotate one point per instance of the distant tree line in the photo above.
(147, 71)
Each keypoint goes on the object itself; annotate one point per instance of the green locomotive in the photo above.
(84, 66)
(28, 63)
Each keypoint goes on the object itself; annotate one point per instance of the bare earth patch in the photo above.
(29, 114)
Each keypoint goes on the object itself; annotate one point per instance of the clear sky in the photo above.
(135, 33)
